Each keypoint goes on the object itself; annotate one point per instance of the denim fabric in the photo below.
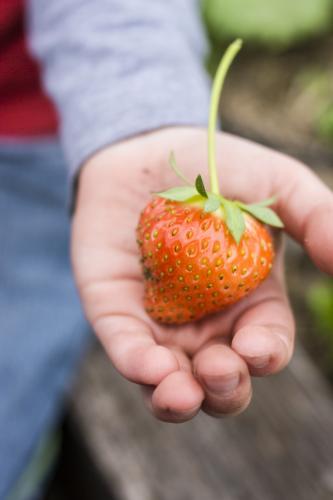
(42, 331)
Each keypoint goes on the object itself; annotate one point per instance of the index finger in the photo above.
(304, 202)
(107, 276)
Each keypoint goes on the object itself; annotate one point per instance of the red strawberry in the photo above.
(200, 251)
(192, 264)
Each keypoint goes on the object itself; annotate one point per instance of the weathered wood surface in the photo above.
(281, 448)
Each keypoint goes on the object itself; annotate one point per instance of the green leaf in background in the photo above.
(234, 219)
(264, 214)
(43, 460)
(273, 23)
(324, 124)
(179, 193)
(199, 184)
(320, 300)
(213, 203)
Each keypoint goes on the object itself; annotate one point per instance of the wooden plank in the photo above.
(280, 448)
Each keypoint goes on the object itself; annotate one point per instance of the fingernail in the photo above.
(259, 361)
(222, 385)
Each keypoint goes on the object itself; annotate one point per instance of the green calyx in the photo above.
(232, 211)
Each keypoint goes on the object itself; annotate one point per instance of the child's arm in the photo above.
(119, 68)
(208, 363)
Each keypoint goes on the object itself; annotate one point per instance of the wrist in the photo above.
(129, 162)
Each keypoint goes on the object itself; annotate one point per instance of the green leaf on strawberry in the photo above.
(176, 169)
(266, 202)
(213, 203)
(234, 219)
(182, 193)
(200, 187)
(263, 213)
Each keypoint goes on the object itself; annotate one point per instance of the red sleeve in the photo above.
(25, 109)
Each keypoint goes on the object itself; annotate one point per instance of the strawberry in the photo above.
(192, 263)
(202, 252)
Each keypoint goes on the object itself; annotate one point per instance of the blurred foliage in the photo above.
(320, 301)
(275, 24)
(39, 467)
(325, 124)
(313, 89)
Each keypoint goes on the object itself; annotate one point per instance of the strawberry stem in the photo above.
(218, 82)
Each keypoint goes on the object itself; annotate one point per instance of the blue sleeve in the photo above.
(118, 68)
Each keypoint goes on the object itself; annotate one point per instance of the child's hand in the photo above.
(205, 364)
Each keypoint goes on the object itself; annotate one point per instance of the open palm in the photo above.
(206, 364)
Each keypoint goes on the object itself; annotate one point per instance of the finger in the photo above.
(177, 398)
(148, 391)
(306, 207)
(107, 274)
(133, 351)
(264, 333)
(304, 202)
(225, 379)
(317, 237)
